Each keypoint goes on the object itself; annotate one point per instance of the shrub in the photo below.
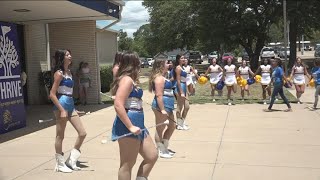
(106, 77)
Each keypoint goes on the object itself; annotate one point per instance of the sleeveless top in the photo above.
(66, 85)
(244, 72)
(230, 70)
(265, 70)
(134, 101)
(168, 87)
(298, 72)
(183, 75)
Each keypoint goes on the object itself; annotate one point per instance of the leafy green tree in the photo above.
(125, 42)
(303, 17)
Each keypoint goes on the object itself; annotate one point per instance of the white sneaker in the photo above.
(213, 100)
(166, 145)
(264, 102)
(229, 104)
(163, 152)
(185, 125)
(165, 155)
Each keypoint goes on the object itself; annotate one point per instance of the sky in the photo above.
(134, 15)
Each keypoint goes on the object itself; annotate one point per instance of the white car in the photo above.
(150, 61)
(267, 52)
(282, 52)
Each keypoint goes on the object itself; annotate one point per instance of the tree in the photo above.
(144, 42)
(125, 42)
(172, 23)
(303, 17)
(221, 25)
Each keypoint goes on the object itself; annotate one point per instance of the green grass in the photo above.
(203, 95)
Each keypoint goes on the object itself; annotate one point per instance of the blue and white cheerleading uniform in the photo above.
(168, 97)
(65, 91)
(183, 78)
(133, 106)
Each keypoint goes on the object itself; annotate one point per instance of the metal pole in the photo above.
(302, 48)
(285, 34)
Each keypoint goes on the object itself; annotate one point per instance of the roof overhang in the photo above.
(58, 11)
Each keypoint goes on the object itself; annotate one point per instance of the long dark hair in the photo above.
(59, 59)
(176, 63)
(80, 65)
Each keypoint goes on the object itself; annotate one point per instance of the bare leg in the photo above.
(85, 90)
(77, 124)
(129, 149)
(186, 107)
(61, 124)
(171, 127)
(150, 155)
(159, 129)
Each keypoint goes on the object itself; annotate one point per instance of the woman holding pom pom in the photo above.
(215, 75)
(297, 73)
(244, 71)
(229, 77)
(265, 70)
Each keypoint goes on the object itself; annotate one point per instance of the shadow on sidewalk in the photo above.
(43, 112)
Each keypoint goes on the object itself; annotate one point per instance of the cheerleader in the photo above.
(64, 111)
(162, 105)
(297, 73)
(244, 71)
(316, 76)
(191, 76)
(215, 75)
(180, 76)
(130, 119)
(265, 70)
(229, 76)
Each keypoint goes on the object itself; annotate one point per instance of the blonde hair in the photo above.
(157, 70)
(129, 66)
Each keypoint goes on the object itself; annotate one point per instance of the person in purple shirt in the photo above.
(277, 79)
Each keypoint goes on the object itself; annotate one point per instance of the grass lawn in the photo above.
(203, 94)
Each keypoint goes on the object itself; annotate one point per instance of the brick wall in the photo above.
(80, 38)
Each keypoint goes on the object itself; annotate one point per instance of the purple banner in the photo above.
(12, 109)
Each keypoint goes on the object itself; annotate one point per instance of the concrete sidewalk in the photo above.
(224, 143)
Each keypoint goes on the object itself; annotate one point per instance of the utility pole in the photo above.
(285, 35)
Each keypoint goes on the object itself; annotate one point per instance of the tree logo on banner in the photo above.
(8, 53)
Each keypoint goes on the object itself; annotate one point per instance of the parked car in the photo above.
(144, 63)
(317, 52)
(282, 51)
(195, 57)
(267, 52)
(307, 48)
(150, 61)
(212, 55)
